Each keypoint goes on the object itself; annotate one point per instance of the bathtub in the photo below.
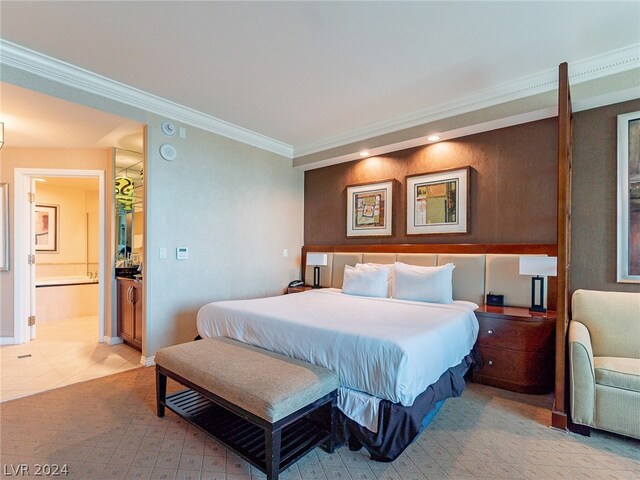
(60, 281)
(60, 298)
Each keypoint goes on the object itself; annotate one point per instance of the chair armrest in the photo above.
(582, 375)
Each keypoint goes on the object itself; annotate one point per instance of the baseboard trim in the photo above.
(112, 340)
(7, 341)
(148, 361)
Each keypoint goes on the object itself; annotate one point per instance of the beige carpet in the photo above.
(107, 429)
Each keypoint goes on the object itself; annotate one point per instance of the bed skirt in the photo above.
(398, 426)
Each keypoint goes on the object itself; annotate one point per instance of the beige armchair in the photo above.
(604, 356)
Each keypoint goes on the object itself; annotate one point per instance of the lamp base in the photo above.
(316, 277)
(539, 305)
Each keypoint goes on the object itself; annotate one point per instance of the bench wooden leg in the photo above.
(333, 418)
(272, 453)
(161, 391)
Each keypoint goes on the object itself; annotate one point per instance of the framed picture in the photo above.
(438, 202)
(4, 227)
(46, 228)
(629, 197)
(369, 209)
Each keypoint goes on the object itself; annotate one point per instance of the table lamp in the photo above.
(317, 260)
(539, 266)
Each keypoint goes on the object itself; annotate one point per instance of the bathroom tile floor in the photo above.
(64, 352)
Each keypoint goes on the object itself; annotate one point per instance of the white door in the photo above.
(32, 259)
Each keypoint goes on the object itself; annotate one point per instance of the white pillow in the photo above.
(376, 266)
(423, 284)
(367, 283)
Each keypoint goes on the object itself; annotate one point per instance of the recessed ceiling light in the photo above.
(364, 153)
(433, 138)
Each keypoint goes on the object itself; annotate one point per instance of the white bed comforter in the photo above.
(391, 349)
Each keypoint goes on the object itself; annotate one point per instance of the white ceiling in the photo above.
(40, 121)
(306, 72)
(91, 184)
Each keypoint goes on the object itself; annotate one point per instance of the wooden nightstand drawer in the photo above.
(524, 372)
(514, 334)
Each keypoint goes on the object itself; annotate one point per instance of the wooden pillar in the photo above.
(560, 407)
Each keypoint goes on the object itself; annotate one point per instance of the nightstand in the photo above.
(303, 288)
(515, 349)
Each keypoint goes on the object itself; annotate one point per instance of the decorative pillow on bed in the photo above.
(365, 282)
(377, 266)
(423, 284)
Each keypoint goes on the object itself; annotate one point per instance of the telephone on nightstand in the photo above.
(295, 283)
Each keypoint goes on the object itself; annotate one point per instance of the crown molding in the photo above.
(599, 66)
(36, 63)
(444, 136)
(610, 63)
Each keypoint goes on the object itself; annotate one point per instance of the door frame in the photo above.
(21, 241)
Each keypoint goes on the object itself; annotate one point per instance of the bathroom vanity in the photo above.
(130, 311)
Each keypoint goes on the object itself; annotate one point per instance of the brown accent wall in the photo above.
(512, 198)
(594, 200)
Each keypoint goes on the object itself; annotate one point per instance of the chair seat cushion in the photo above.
(618, 372)
(264, 383)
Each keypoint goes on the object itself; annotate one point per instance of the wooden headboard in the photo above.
(491, 251)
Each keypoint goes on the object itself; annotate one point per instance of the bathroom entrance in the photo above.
(60, 227)
(66, 250)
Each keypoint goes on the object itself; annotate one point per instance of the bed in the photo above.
(397, 359)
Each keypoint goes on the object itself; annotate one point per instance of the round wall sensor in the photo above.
(168, 128)
(168, 152)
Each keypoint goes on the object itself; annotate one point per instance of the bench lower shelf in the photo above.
(240, 435)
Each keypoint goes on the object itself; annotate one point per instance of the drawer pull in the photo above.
(490, 332)
(490, 362)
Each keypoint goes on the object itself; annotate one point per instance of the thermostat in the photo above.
(168, 128)
(182, 253)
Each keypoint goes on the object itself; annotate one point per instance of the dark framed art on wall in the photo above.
(46, 228)
(369, 211)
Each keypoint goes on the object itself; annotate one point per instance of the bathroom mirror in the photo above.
(129, 206)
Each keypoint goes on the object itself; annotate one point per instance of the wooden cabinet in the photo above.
(302, 288)
(130, 311)
(515, 349)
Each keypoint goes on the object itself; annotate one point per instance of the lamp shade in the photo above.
(538, 265)
(316, 259)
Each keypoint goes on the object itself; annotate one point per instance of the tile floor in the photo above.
(107, 429)
(64, 352)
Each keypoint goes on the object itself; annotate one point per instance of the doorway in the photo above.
(54, 209)
(30, 243)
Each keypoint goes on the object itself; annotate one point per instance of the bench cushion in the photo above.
(261, 382)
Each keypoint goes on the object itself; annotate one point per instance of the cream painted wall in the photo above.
(12, 158)
(235, 206)
(92, 230)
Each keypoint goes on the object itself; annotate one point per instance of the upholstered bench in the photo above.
(268, 408)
